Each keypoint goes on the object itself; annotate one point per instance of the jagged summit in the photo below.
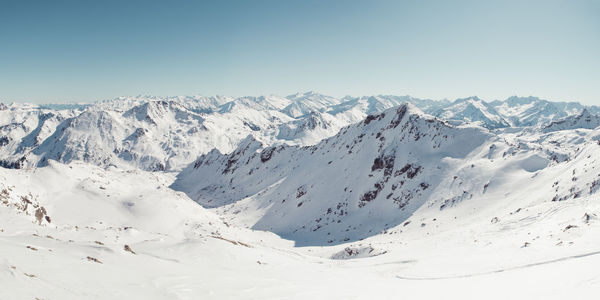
(474, 110)
(156, 112)
(468, 99)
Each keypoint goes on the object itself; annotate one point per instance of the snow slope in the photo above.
(111, 233)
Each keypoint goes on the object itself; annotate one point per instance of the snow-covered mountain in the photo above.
(299, 196)
(309, 102)
(473, 110)
(194, 103)
(152, 135)
(532, 111)
(24, 127)
(167, 133)
(381, 169)
(584, 120)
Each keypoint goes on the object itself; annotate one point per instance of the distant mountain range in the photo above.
(167, 133)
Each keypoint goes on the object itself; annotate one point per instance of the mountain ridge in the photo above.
(172, 131)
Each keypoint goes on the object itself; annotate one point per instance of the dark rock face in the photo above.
(371, 118)
(17, 164)
(385, 162)
(4, 141)
(266, 154)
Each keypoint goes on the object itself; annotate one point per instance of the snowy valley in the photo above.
(296, 197)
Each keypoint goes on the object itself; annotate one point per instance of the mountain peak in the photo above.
(469, 99)
(474, 110)
(585, 113)
(306, 95)
(516, 100)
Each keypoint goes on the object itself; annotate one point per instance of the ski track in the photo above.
(501, 270)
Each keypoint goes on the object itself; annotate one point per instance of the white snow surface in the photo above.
(474, 249)
(304, 196)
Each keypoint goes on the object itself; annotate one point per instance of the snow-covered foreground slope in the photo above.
(114, 234)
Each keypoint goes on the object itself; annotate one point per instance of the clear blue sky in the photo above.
(57, 51)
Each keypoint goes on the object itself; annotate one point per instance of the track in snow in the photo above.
(502, 270)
